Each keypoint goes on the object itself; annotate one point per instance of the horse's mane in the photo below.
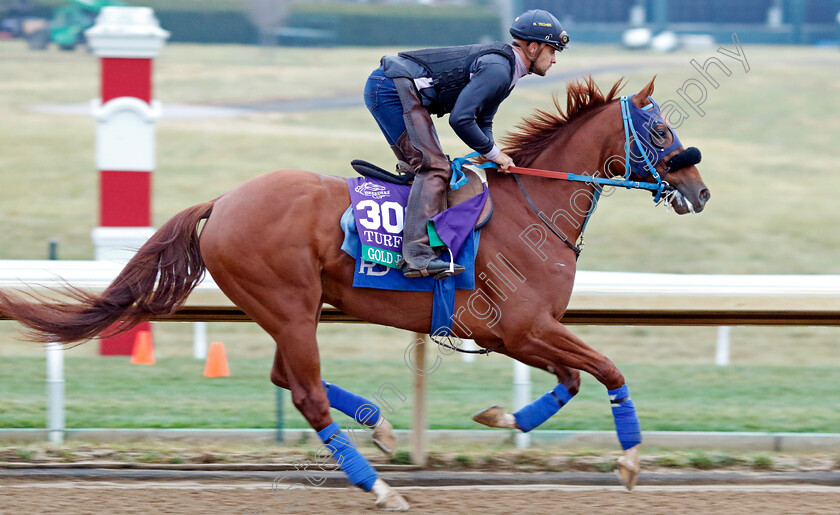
(536, 133)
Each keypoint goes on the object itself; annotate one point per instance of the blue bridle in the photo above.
(648, 117)
(650, 155)
(642, 163)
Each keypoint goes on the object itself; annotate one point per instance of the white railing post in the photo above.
(419, 424)
(468, 357)
(200, 340)
(521, 397)
(722, 347)
(55, 392)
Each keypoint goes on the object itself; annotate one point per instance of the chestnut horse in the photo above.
(273, 247)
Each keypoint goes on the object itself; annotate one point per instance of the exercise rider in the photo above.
(468, 82)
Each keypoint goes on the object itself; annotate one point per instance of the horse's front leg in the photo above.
(549, 345)
(536, 413)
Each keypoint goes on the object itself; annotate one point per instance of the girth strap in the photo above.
(442, 343)
(547, 223)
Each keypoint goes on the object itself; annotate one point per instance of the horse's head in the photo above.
(655, 153)
(635, 141)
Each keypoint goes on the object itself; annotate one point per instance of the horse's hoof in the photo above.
(495, 416)
(383, 436)
(627, 468)
(387, 498)
(393, 502)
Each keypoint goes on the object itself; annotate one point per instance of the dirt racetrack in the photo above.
(71, 497)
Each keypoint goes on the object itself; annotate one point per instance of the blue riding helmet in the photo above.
(539, 26)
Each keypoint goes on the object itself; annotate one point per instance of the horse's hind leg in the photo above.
(297, 367)
(302, 368)
(291, 318)
(362, 410)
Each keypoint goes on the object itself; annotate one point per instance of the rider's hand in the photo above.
(504, 161)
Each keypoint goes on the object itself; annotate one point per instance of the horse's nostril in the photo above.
(705, 195)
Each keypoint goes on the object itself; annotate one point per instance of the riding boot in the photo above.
(420, 258)
(420, 146)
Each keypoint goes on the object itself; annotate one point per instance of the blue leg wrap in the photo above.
(542, 409)
(626, 420)
(360, 409)
(354, 465)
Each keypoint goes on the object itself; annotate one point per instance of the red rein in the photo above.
(539, 173)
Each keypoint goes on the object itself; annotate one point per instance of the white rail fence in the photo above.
(599, 298)
(611, 298)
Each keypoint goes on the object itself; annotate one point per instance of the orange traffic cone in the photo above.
(143, 352)
(217, 365)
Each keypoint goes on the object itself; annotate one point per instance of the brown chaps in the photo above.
(420, 148)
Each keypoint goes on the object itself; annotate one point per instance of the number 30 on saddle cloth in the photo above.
(373, 230)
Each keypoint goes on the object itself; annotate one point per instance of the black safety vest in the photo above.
(449, 69)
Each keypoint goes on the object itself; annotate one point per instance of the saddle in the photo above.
(473, 187)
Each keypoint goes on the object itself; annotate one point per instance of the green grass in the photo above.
(788, 383)
(113, 393)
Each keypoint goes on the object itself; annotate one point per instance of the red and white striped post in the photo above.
(126, 39)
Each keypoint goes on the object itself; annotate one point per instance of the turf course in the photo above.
(172, 393)
(766, 135)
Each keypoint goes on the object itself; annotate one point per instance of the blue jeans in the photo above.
(384, 104)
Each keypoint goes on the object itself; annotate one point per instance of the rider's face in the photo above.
(545, 59)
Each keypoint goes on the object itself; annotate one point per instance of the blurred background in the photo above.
(380, 23)
(253, 86)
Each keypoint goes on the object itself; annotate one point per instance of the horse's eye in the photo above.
(659, 137)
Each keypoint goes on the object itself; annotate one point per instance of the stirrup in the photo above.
(437, 268)
(453, 269)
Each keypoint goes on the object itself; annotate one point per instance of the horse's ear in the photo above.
(641, 98)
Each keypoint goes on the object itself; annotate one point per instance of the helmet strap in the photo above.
(525, 51)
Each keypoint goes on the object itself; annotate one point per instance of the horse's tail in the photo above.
(156, 281)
